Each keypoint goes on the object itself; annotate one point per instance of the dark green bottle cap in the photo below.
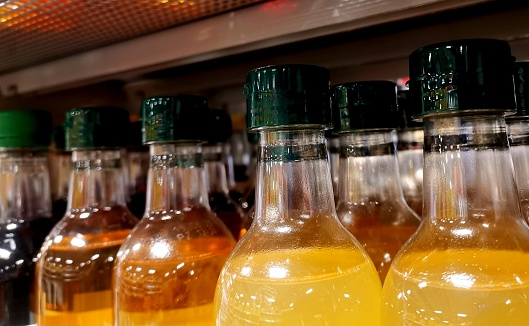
(25, 129)
(406, 111)
(59, 138)
(288, 96)
(521, 75)
(96, 128)
(135, 135)
(220, 127)
(365, 105)
(471, 76)
(174, 118)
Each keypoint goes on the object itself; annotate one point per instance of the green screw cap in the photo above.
(220, 127)
(470, 75)
(174, 118)
(521, 75)
(365, 105)
(406, 111)
(25, 129)
(96, 127)
(287, 96)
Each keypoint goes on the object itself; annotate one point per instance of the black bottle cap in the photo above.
(288, 96)
(219, 130)
(521, 75)
(174, 118)
(406, 111)
(59, 138)
(96, 127)
(365, 105)
(473, 75)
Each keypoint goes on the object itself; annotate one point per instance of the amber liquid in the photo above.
(177, 291)
(77, 280)
(381, 241)
(228, 212)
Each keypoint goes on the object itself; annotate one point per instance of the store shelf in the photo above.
(257, 27)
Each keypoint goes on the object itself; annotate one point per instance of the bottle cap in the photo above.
(406, 111)
(288, 96)
(174, 118)
(473, 75)
(59, 138)
(220, 127)
(521, 75)
(96, 127)
(365, 105)
(25, 129)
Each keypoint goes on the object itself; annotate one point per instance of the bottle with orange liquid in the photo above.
(409, 152)
(518, 130)
(468, 264)
(296, 265)
(220, 201)
(370, 202)
(76, 261)
(167, 269)
(25, 209)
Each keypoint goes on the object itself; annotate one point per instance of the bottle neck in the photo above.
(98, 179)
(410, 139)
(176, 179)
(60, 168)
(468, 170)
(518, 131)
(24, 185)
(217, 181)
(293, 178)
(137, 166)
(369, 168)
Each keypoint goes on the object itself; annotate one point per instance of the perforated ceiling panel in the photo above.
(35, 31)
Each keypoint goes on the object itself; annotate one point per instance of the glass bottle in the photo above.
(167, 269)
(518, 131)
(468, 264)
(409, 152)
(217, 184)
(137, 160)
(76, 261)
(60, 167)
(333, 148)
(371, 204)
(25, 209)
(296, 264)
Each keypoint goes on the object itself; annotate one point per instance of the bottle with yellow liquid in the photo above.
(370, 202)
(518, 130)
(296, 265)
(76, 261)
(468, 264)
(167, 269)
(409, 152)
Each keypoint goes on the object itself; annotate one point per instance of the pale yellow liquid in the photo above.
(463, 287)
(303, 287)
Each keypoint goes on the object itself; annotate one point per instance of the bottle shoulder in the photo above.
(381, 214)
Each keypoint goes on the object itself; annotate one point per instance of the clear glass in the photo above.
(137, 161)
(371, 205)
(296, 265)
(60, 166)
(76, 261)
(468, 264)
(167, 269)
(217, 184)
(518, 129)
(25, 221)
(411, 162)
(333, 146)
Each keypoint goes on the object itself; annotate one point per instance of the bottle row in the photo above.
(306, 255)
